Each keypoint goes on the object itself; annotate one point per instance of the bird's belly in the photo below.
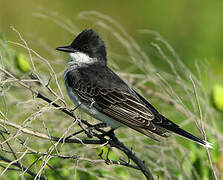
(91, 110)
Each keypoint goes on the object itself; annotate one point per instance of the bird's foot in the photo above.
(99, 125)
(95, 127)
(92, 103)
(110, 134)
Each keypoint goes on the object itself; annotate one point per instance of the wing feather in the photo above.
(120, 103)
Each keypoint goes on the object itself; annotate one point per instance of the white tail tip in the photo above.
(207, 145)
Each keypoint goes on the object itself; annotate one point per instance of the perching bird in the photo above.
(101, 93)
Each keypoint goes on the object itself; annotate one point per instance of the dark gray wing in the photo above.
(113, 97)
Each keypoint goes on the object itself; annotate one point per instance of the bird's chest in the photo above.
(89, 108)
(83, 105)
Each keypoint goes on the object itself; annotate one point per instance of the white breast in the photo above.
(79, 57)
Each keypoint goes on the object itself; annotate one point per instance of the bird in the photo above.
(98, 91)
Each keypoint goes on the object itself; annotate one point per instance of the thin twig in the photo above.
(19, 166)
(52, 138)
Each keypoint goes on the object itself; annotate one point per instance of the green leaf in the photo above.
(103, 151)
(217, 94)
(121, 171)
(2, 36)
(22, 63)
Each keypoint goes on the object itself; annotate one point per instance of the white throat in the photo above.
(79, 58)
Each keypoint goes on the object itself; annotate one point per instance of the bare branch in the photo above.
(18, 165)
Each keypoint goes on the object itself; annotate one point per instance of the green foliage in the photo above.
(217, 95)
(10, 55)
(22, 63)
(7, 52)
(65, 169)
(122, 172)
(198, 156)
(13, 175)
(106, 152)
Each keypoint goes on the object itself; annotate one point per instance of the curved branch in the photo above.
(52, 138)
(18, 165)
(119, 145)
(113, 141)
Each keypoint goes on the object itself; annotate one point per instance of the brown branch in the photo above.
(113, 141)
(68, 140)
(52, 138)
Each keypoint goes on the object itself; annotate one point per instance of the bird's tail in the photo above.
(170, 126)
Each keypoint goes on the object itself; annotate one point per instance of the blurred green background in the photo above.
(193, 28)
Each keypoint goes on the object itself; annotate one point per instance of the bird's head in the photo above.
(87, 47)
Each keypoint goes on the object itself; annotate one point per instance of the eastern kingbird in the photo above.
(101, 93)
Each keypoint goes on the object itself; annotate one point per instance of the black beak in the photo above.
(66, 49)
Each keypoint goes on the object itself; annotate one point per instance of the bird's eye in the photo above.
(86, 48)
